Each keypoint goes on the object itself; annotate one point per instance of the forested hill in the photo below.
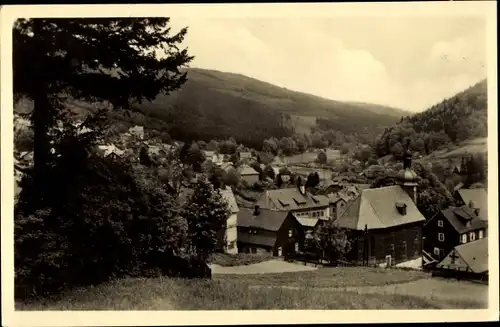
(216, 104)
(454, 120)
(219, 105)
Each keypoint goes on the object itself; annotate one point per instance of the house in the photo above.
(329, 187)
(230, 232)
(227, 166)
(307, 208)
(476, 199)
(137, 131)
(248, 174)
(215, 157)
(263, 230)
(338, 203)
(384, 224)
(110, 150)
(469, 259)
(451, 227)
(245, 155)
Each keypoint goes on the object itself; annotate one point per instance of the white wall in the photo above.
(231, 233)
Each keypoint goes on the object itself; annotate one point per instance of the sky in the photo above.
(407, 63)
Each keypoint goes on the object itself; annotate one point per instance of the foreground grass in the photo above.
(329, 277)
(240, 259)
(178, 294)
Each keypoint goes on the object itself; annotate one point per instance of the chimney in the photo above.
(476, 211)
(401, 207)
(256, 211)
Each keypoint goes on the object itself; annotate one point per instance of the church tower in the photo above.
(407, 178)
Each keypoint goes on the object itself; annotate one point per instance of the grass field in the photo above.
(330, 277)
(333, 288)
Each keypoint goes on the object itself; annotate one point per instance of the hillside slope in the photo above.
(219, 105)
(454, 120)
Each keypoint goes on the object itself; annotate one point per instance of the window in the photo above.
(436, 251)
(464, 238)
(481, 234)
(440, 223)
(290, 233)
(472, 236)
(441, 237)
(231, 245)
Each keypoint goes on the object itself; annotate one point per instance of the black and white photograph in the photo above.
(249, 157)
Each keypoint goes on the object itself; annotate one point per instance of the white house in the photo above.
(231, 234)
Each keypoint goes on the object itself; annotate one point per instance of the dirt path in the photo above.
(271, 266)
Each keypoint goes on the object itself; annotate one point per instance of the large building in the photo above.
(451, 227)
(248, 174)
(384, 223)
(306, 207)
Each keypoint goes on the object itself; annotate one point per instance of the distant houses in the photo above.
(216, 158)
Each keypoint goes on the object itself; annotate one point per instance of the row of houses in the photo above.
(383, 224)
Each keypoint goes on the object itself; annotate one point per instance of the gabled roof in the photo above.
(246, 170)
(336, 197)
(307, 222)
(376, 208)
(228, 196)
(475, 254)
(227, 165)
(463, 219)
(288, 199)
(479, 198)
(270, 220)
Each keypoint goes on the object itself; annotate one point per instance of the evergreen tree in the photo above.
(93, 59)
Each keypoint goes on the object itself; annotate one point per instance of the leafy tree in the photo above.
(206, 212)
(232, 178)
(269, 172)
(98, 59)
(217, 177)
(312, 180)
(23, 139)
(331, 241)
(322, 159)
(195, 157)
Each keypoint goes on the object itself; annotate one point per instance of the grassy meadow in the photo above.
(328, 288)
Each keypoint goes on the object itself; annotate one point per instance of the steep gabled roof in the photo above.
(376, 208)
(474, 254)
(463, 219)
(287, 199)
(267, 219)
(228, 196)
(479, 198)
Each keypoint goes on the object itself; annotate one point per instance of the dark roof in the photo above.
(463, 219)
(479, 198)
(256, 239)
(376, 208)
(267, 219)
(291, 199)
(475, 254)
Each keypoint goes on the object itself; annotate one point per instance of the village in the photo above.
(275, 209)
(152, 173)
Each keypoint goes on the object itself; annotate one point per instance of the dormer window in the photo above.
(464, 238)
